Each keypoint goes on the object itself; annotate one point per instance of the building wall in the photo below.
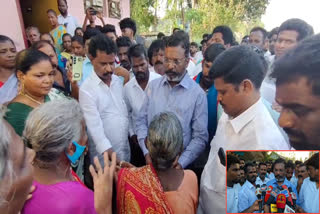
(11, 25)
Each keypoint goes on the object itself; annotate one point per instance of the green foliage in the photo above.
(142, 14)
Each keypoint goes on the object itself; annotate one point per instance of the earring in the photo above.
(22, 92)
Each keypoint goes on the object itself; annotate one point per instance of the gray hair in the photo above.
(30, 28)
(6, 169)
(165, 140)
(50, 129)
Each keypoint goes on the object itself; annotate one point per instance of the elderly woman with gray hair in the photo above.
(159, 187)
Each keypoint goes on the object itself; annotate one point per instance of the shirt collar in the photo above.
(249, 185)
(185, 82)
(86, 60)
(245, 117)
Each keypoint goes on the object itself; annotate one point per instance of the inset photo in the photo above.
(272, 182)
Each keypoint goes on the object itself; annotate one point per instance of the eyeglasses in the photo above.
(173, 61)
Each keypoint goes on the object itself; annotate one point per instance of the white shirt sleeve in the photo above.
(93, 121)
(129, 108)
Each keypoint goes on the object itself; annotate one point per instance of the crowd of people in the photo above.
(272, 186)
(154, 118)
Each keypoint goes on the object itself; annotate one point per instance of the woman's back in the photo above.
(185, 199)
(62, 197)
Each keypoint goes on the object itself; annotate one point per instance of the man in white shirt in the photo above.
(134, 94)
(262, 172)
(233, 186)
(101, 100)
(245, 124)
(69, 21)
(123, 44)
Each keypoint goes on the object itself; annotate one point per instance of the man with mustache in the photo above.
(156, 56)
(123, 44)
(134, 94)
(289, 170)
(101, 100)
(248, 201)
(178, 93)
(309, 193)
(233, 186)
(302, 174)
(262, 172)
(298, 93)
(294, 178)
(280, 177)
(242, 176)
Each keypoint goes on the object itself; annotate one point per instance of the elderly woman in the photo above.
(58, 138)
(159, 187)
(35, 74)
(15, 169)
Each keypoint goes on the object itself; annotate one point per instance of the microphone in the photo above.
(273, 196)
(281, 202)
(268, 193)
(288, 209)
(288, 195)
(258, 194)
(263, 192)
(273, 208)
(293, 196)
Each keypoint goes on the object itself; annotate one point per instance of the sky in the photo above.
(280, 10)
(297, 155)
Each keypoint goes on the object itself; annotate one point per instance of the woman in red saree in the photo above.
(159, 187)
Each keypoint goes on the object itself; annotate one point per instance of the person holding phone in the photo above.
(91, 15)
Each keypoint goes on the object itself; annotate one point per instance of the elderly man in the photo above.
(178, 93)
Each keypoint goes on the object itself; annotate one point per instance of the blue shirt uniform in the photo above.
(274, 184)
(309, 196)
(247, 196)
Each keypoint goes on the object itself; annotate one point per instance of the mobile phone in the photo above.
(77, 63)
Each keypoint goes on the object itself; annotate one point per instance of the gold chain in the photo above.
(32, 99)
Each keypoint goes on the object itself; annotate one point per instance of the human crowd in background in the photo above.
(143, 129)
(272, 186)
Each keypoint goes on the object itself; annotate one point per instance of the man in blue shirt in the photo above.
(309, 193)
(280, 177)
(248, 201)
(233, 186)
(178, 93)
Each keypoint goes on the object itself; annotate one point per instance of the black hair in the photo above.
(66, 34)
(40, 44)
(301, 61)
(272, 32)
(242, 159)
(279, 160)
(290, 164)
(298, 162)
(203, 41)
(232, 159)
(160, 35)
(78, 39)
(226, 32)
(205, 35)
(102, 43)
(301, 27)
(48, 35)
(245, 37)
(4, 39)
(176, 28)
(64, 1)
(89, 33)
(237, 64)
(137, 50)
(128, 23)
(123, 41)
(262, 164)
(262, 30)
(193, 44)
(313, 161)
(78, 28)
(181, 39)
(25, 59)
(108, 29)
(155, 46)
(213, 51)
(52, 11)
(248, 164)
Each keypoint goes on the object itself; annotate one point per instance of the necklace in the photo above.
(32, 99)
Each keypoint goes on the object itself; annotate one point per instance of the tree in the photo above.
(141, 12)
